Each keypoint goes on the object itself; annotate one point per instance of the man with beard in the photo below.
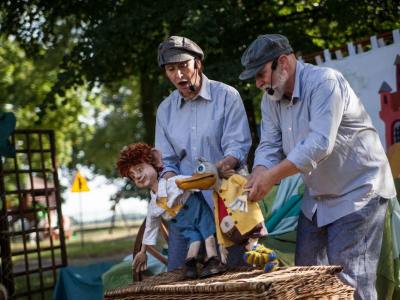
(313, 123)
(200, 118)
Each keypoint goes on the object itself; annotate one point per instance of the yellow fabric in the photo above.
(245, 221)
(172, 211)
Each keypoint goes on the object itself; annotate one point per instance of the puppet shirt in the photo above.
(245, 221)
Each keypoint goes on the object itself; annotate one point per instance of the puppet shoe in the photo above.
(191, 268)
(212, 267)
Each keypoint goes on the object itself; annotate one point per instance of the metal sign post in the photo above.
(80, 185)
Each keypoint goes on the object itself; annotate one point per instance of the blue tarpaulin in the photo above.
(81, 283)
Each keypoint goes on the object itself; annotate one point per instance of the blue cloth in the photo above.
(353, 242)
(286, 206)
(81, 283)
(213, 125)
(325, 131)
(177, 247)
(195, 220)
(192, 224)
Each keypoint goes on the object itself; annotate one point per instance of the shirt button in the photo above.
(193, 127)
(290, 128)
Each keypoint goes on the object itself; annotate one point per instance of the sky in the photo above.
(95, 203)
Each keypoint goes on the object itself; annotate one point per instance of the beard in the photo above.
(279, 87)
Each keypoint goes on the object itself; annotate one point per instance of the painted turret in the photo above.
(390, 108)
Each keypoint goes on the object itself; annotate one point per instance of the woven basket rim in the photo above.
(250, 279)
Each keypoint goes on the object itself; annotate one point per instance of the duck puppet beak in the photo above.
(197, 181)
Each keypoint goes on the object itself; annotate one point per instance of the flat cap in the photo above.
(263, 49)
(177, 49)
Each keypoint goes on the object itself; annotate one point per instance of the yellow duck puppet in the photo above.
(237, 220)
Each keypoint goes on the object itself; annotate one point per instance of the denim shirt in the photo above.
(213, 125)
(325, 131)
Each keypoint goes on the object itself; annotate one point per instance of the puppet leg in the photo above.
(211, 247)
(213, 264)
(191, 260)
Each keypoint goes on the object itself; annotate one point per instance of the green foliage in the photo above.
(72, 48)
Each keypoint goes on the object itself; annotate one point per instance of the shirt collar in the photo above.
(205, 92)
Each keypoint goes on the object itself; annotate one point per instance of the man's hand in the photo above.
(262, 179)
(140, 262)
(226, 167)
(260, 182)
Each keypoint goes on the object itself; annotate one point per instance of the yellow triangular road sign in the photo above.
(80, 184)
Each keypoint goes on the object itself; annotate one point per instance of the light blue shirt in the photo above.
(325, 131)
(213, 125)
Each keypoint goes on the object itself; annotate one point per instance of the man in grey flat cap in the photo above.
(313, 123)
(201, 118)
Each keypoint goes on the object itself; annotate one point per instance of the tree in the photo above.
(110, 42)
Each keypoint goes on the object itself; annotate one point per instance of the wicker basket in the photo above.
(316, 282)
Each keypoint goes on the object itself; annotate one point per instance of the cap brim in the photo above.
(249, 73)
(176, 56)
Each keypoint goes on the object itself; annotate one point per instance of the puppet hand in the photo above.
(139, 263)
(224, 254)
(259, 256)
(240, 203)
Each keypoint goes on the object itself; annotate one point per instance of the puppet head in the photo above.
(137, 153)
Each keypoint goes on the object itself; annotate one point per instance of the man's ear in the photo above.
(157, 157)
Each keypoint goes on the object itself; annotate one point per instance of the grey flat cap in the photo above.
(262, 50)
(177, 49)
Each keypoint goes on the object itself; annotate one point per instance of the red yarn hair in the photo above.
(134, 154)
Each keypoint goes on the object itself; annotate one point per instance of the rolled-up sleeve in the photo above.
(236, 137)
(162, 143)
(269, 152)
(326, 112)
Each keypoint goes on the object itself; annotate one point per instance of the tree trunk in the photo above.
(249, 107)
(148, 105)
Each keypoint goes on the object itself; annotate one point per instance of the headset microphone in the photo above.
(270, 90)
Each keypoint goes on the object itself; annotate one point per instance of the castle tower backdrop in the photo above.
(368, 66)
(390, 108)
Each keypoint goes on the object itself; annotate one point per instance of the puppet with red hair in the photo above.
(142, 164)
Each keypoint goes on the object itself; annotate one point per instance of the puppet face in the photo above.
(144, 176)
